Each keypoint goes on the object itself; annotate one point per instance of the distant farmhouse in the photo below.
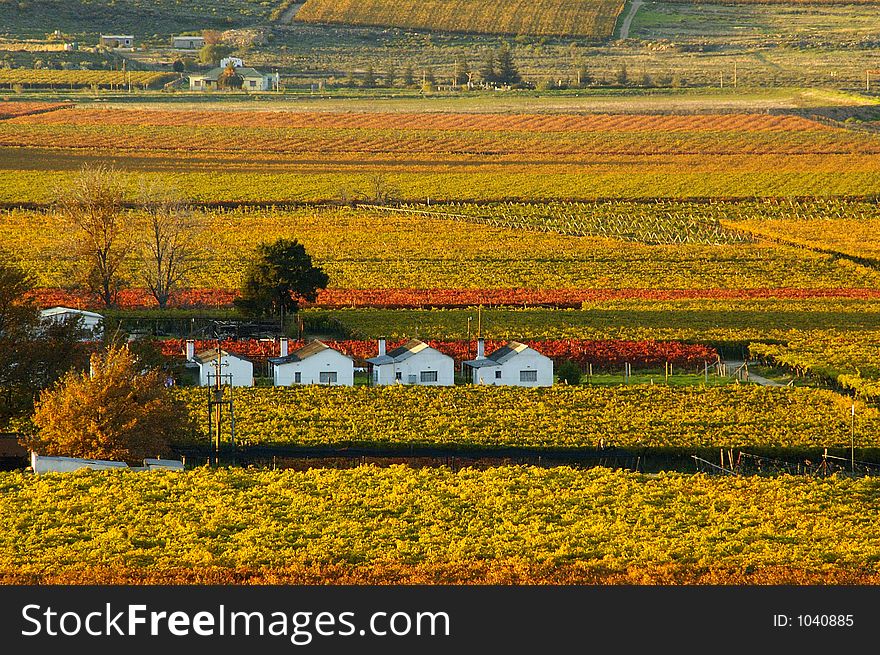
(315, 363)
(514, 365)
(91, 323)
(252, 79)
(116, 41)
(187, 42)
(415, 362)
(235, 370)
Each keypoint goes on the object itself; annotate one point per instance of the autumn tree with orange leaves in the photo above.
(117, 411)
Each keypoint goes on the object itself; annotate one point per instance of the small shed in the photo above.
(91, 322)
(187, 42)
(235, 370)
(117, 40)
(415, 362)
(315, 363)
(515, 365)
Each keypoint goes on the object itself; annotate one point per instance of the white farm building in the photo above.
(514, 365)
(315, 363)
(252, 80)
(235, 370)
(415, 362)
(91, 322)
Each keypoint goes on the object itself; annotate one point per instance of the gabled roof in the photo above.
(209, 356)
(214, 74)
(305, 352)
(500, 356)
(401, 353)
(57, 311)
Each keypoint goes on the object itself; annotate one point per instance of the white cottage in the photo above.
(315, 363)
(235, 370)
(91, 322)
(415, 362)
(252, 80)
(514, 365)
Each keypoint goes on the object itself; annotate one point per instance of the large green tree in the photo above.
(281, 274)
(507, 71)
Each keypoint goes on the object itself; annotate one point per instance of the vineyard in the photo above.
(577, 219)
(699, 320)
(552, 139)
(322, 156)
(383, 259)
(585, 18)
(638, 416)
(75, 79)
(398, 524)
(851, 360)
(14, 109)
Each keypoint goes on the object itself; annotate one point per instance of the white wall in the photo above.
(527, 360)
(411, 369)
(242, 372)
(311, 368)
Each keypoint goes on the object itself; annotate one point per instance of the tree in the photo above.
(622, 75)
(212, 53)
(428, 78)
(92, 204)
(569, 372)
(116, 411)
(460, 72)
(584, 77)
(381, 191)
(229, 78)
(488, 73)
(169, 243)
(408, 76)
(33, 353)
(507, 71)
(278, 278)
(369, 81)
(178, 66)
(390, 74)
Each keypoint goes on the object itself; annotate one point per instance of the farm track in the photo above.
(627, 21)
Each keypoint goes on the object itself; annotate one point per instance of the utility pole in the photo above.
(852, 439)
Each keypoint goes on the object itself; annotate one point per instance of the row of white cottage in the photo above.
(415, 362)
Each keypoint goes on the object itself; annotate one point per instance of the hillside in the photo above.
(138, 17)
(584, 18)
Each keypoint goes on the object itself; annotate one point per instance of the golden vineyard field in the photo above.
(433, 136)
(289, 156)
(368, 250)
(588, 18)
(43, 78)
(506, 524)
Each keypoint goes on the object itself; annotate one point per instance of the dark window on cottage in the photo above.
(428, 376)
(528, 376)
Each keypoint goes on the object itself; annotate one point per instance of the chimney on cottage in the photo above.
(190, 350)
(381, 346)
(284, 348)
(481, 348)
